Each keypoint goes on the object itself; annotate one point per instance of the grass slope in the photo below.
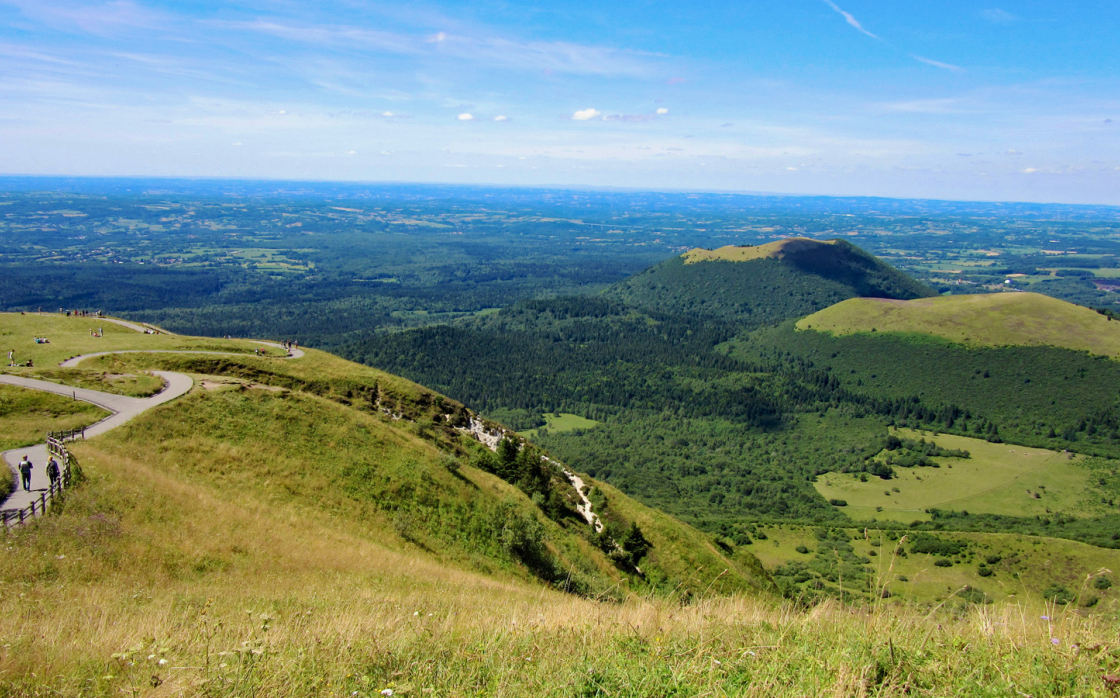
(766, 284)
(27, 415)
(997, 478)
(990, 320)
(329, 436)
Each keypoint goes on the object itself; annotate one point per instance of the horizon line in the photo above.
(545, 187)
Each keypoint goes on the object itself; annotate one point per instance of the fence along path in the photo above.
(23, 505)
(41, 484)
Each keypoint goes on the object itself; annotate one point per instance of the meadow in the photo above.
(71, 336)
(1004, 567)
(997, 478)
(560, 422)
(989, 320)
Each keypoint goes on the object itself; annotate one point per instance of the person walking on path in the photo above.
(52, 471)
(25, 467)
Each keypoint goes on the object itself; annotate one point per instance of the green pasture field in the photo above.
(1027, 565)
(106, 381)
(998, 319)
(561, 422)
(1106, 273)
(996, 479)
(70, 336)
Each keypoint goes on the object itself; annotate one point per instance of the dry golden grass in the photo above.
(95, 597)
(745, 253)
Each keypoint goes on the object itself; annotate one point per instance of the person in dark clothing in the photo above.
(25, 467)
(52, 471)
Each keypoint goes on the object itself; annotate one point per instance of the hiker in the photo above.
(12, 357)
(52, 471)
(25, 467)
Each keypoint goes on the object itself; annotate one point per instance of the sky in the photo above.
(953, 99)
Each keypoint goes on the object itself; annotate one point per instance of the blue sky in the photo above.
(961, 100)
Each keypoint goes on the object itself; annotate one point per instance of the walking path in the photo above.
(123, 408)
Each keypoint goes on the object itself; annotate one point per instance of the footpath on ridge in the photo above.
(122, 407)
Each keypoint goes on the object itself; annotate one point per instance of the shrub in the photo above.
(451, 463)
(1058, 594)
(1102, 583)
(993, 559)
(924, 543)
(942, 562)
(984, 571)
(838, 502)
(974, 595)
(802, 549)
(1090, 601)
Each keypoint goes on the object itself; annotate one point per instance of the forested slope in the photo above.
(754, 286)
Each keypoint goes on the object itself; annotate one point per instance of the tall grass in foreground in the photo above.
(318, 635)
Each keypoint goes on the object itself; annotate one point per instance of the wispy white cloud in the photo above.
(938, 64)
(852, 21)
(999, 16)
(501, 117)
(535, 56)
(103, 19)
(636, 118)
(926, 106)
(466, 117)
(629, 118)
(585, 114)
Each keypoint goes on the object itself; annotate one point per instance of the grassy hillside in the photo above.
(71, 336)
(765, 284)
(417, 475)
(327, 435)
(991, 320)
(27, 415)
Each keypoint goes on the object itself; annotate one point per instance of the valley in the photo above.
(581, 450)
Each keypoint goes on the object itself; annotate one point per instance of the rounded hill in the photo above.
(992, 320)
(764, 284)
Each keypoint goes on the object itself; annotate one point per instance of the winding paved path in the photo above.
(123, 409)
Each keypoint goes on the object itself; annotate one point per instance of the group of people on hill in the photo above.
(26, 466)
(79, 313)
